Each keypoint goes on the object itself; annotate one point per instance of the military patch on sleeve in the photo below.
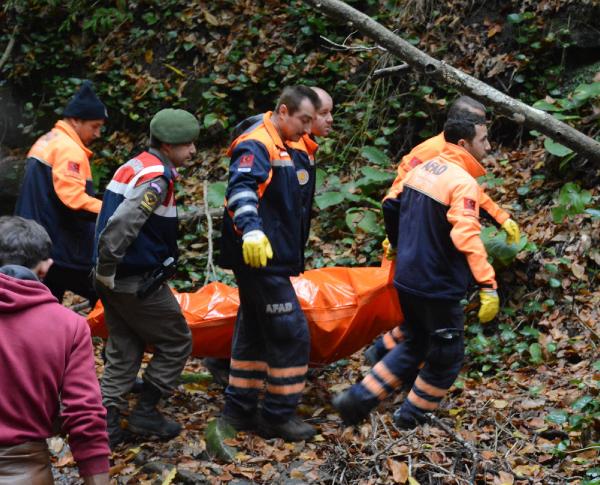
(73, 167)
(246, 162)
(150, 201)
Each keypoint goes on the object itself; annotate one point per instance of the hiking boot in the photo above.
(240, 423)
(219, 369)
(146, 420)
(371, 355)
(116, 434)
(294, 429)
(348, 408)
(406, 418)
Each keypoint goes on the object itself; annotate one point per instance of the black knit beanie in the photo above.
(85, 105)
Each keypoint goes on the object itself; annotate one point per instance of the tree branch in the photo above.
(448, 75)
(387, 71)
(9, 47)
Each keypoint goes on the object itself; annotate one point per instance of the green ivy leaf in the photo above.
(329, 199)
(535, 350)
(375, 155)
(558, 416)
(555, 148)
(216, 194)
(581, 403)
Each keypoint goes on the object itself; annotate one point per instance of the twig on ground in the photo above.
(469, 446)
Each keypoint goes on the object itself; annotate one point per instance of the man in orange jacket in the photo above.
(431, 148)
(57, 193)
(433, 222)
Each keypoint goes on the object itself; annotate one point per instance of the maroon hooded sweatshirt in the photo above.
(46, 356)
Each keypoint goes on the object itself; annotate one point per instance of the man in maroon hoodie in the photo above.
(46, 367)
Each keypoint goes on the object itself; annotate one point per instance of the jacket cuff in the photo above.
(502, 217)
(93, 465)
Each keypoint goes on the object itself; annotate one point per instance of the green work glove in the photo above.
(388, 251)
(256, 249)
(512, 231)
(490, 304)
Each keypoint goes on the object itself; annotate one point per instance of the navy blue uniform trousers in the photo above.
(430, 355)
(271, 343)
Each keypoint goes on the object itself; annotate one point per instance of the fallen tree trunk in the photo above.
(448, 75)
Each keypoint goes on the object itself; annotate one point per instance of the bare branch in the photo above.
(9, 47)
(345, 47)
(387, 71)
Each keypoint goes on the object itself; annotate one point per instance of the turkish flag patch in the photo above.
(73, 167)
(414, 162)
(469, 204)
(246, 161)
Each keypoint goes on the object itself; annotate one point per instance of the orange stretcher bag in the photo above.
(346, 309)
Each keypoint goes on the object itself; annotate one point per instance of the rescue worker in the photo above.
(57, 193)
(431, 148)
(136, 233)
(303, 151)
(264, 231)
(433, 222)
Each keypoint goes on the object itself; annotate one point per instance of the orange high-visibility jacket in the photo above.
(57, 192)
(427, 150)
(433, 222)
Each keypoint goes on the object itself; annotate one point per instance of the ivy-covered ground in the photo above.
(525, 408)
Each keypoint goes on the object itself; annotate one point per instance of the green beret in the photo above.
(174, 126)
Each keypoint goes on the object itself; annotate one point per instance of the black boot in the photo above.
(218, 368)
(348, 408)
(146, 420)
(294, 429)
(372, 355)
(116, 434)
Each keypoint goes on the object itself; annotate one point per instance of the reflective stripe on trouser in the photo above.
(388, 341)
(271, 346)
(25, 464)
(134, 324)
(433, 334)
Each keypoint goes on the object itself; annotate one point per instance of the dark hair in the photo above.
(23, 242)
(466, 106)
(461, 128)
(292, 97)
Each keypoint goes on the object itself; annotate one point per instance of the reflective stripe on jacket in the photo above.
(427, 150)
(157, 239)
(57, 192)
(265, 192)
(434, 224)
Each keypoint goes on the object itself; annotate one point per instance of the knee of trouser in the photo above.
(287, 323)
(446, 349)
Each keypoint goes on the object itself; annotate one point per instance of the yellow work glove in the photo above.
(388, 251)
(490, 304)
(512, 231)
(256, 249)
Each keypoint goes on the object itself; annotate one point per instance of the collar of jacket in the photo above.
(19, 272)
(68, 130)
(311, 145)
(272, 131)
(461, 157)
(165, 161)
